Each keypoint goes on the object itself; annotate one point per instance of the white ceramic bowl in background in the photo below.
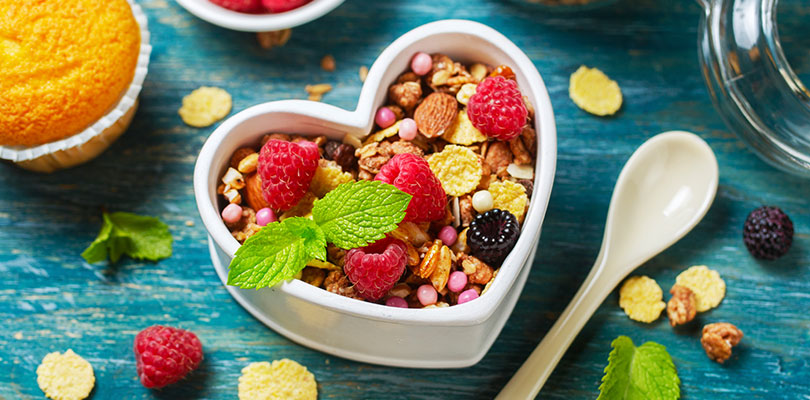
(245, 22)
(456, 336)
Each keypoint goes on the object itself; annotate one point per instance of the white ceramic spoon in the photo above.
(664, 190)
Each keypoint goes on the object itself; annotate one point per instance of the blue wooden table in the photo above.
(51, 300)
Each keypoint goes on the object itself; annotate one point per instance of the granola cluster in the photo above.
(425, 116)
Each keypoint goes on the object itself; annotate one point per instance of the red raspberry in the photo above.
(277, 6)
(411, 174)
(497, 108)
(164, 355)
(286, 170)
(376, 268)
(245, 6)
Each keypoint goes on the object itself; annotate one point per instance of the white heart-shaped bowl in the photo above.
(245, 22)
(456, 336)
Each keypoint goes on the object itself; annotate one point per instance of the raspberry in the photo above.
(497, 108)
(411, 174)
(768, 233)
(492, 236)
(277, 6)
(286, 170)
(246, 6)
(376, 268)
(164, 355)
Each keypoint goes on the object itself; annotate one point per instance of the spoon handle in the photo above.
(531, 376)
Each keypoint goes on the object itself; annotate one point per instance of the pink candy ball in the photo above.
(407, 129)
(265, 216)
(385, 117)
(448, 235)
(467, 295)
(457, 281)
(232, 213)
(396, 302)
(421, 63)
(427, 295)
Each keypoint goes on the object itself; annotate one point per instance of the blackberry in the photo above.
(768, 233)
(492, 236)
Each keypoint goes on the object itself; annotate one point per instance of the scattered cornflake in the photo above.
(189, 223)
(594, 92)
(328, 63)
(18, 335)
(352, 140)
(327, 177)
(383, 134)
(462, 131)
(317, 91)
(641, 299)
(268, 40)
(457, 168)
(509, 196)
(363, 73)
(707, 285)
(282, 380)
(65, 376)
(205, 106)
(465, 92)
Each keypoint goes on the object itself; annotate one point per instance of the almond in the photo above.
(435, 114)
(253, 192)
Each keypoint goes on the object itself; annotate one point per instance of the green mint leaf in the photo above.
(358, 213)
(274, 254)
(645, 372)
(137, 236)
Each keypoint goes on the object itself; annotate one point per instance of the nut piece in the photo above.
(442, 271)
(268, 40)
(411, 233)
(328, 64)
(253, 192)
(337, 282)
(239, 155)
(435, 114)
(233, 179)
(317, 91)
(520, 152)
(718, 339)
(406, 94)
(430, 262)
(481, 272)
(249, 164)
(498, 158)
(313, 276)
(232, 195)
(682, 307)
(363, 73)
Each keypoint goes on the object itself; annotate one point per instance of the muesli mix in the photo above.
(457, 137)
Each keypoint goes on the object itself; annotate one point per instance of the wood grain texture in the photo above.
(51, 300)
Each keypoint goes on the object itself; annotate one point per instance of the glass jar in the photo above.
(751, 83)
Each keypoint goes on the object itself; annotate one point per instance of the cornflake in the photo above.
(282, 380)
(205, 106)
(462, 131)
(327, 177)
(509, 196)
(641, 299)
(592, 91)
(457, 168)
(707, 285)
(65, 376)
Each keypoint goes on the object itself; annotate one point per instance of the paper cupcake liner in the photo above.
(90, 142)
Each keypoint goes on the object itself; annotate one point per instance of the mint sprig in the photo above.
(137, 236)
(637, 373)
(352, 215)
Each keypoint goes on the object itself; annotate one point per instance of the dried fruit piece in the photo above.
(510, 196)
(707, 285)
(457, 168)
(592, 91)
(641, 299)
(205, 106)
(463, 132)
(327, 177)
(65, 376)
(282, 380)
(682, 307)
(435, 114)
(718, 339)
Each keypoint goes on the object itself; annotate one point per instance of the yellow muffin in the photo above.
(63, 65)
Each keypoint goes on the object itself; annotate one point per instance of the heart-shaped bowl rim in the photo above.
(394, 60)
(245, 22)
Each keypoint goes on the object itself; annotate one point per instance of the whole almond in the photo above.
(435, 114)
(253, 192)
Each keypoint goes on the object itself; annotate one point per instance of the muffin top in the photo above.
(63, 65)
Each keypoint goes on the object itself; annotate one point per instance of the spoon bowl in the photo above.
(663, 191)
